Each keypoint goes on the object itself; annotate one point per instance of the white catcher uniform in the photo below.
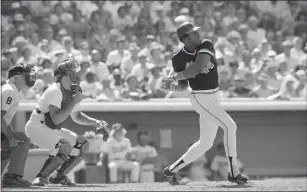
(42, 135)
(117, 151)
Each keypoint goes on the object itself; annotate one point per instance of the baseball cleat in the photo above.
(239, 179)
(40, 181)
(13, 180)
(173, 178)
(61, 179)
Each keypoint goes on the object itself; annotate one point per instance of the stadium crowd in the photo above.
(124, 47)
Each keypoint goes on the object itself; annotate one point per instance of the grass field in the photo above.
(276, 184)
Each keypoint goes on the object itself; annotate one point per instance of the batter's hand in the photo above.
(168, 83)
(103, 128)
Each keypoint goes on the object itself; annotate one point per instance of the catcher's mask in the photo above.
(70, 68)
(25, 69)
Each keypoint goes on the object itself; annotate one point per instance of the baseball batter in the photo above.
(195, 64)
(45, 129)
(14, 145)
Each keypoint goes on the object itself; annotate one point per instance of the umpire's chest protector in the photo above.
(67, 97)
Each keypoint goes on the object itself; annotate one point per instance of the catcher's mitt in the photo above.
(103, 128)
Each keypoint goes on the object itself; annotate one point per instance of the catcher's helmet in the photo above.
(70, 68)
(27, 70)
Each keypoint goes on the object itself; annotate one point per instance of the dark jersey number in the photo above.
(9, 100)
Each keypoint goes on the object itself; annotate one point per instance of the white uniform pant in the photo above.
(211, 116)
(47, 138)
(123, 165)
(147, 174)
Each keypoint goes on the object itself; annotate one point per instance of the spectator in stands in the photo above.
(264, 47)
(263, 89)
(99, 67)
(5, 66)
(115, 58)
(34, 45)
(90, 86)
(79, 27)
(285, 56)
(219, 164)
(122, 19)
(109, 93)
(168, 24)
(129, 62)
(26, 57)
(60, 17)
(70, 52)
(255, 33)
(142, 69)
(224, 78)
(118, 149)
(85, 53)
(296, 52)
(53, 44)
(146, 155)
(156, 56)
(103, 12)
(239, 89)
(133, 91)
(84, 65)
(45, 63)
(47, 78)
(270, 69)
(154, 83)
(256, 62)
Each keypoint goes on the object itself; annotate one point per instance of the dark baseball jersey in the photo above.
(208, 78)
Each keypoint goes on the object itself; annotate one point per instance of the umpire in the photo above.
(14, 145)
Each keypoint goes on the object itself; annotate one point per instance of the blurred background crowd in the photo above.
(125, 47)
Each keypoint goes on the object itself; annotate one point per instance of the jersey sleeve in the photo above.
(7, 100)
(54, 97)
(206, 47)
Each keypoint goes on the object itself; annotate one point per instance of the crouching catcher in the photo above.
(45, 128)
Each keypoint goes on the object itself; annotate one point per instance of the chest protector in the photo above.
(67, 98)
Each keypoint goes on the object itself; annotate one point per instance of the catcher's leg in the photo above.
(77, 155)
(55, 160)
(51, 139)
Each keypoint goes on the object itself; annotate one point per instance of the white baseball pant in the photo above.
(211, 116)
(132, 166)
(47, 138)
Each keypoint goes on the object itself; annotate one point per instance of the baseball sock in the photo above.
(233, 166)
(195, 151)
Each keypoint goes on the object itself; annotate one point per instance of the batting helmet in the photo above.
(27, 70)
(70, 68)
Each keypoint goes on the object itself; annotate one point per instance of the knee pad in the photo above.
(63, 149)
(81, 146)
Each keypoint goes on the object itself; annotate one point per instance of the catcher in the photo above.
(44, 126)
(14, 145)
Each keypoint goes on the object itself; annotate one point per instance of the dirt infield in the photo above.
(276, 184)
